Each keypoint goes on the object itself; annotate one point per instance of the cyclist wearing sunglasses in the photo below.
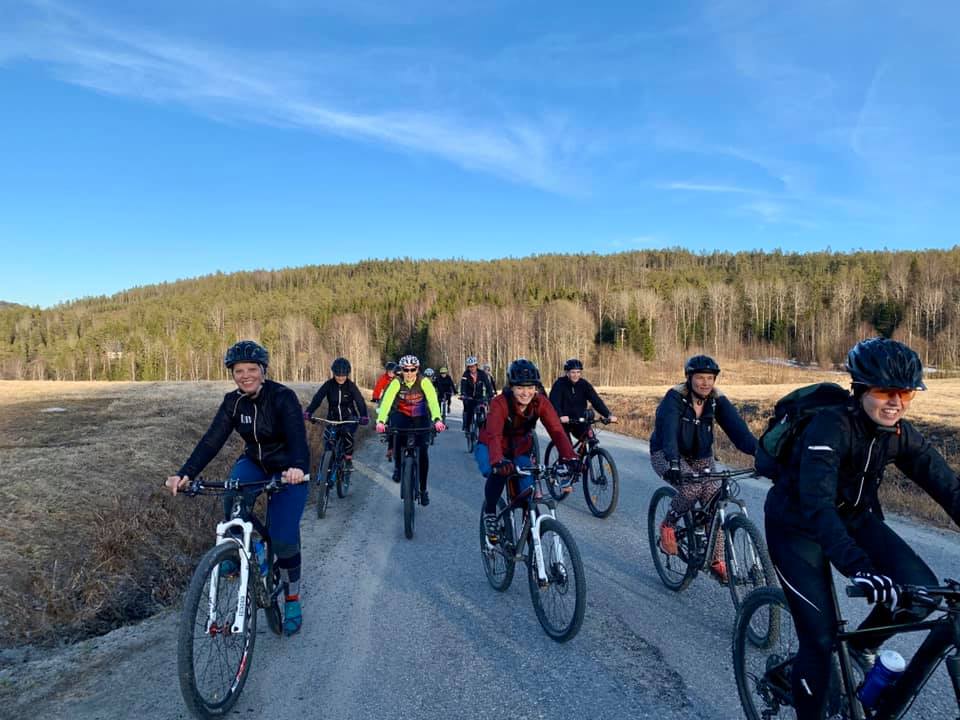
(825, 510)
(475, 387)
(410, 402)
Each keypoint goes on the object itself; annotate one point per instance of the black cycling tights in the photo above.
(804, 574)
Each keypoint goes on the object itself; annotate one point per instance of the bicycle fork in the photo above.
(239, 620)
(542, 576)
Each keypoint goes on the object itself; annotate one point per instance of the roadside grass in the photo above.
(89, 539)
(935, 413)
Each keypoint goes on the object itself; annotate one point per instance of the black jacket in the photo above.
(444, 385)
(835, 469)
(571, 398)
(681, 434)
(344, 402)
(271, 424)
(482, 389)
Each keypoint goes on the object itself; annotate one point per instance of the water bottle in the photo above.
(884, 673)
(260, 552)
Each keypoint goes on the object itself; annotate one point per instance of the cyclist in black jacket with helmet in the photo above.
(344, 402)
(268, 417)
(824, 509)
(570, 394)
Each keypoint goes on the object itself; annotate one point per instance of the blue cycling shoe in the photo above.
(229, 569)
(292, 616)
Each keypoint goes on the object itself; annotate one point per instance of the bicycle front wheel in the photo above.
(601, 483)
(213, 657)
(407, 489)
(343, 481)
(323, 489)
(561, 599)
(748, 563)
(498, 560)
(675, 570)
(763, 671)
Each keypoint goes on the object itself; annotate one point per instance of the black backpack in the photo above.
(791, 415)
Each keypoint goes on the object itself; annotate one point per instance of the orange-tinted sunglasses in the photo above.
(890, 393)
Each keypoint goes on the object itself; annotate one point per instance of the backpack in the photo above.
(791, 415)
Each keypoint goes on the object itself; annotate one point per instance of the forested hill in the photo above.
(617, 312)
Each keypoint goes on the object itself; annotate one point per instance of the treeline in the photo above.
(617, 312)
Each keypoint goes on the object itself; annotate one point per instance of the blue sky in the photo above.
(143, 142)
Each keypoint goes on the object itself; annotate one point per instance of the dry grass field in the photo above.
(936, 413)
(89, 540)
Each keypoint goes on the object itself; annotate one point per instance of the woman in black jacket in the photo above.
(824, 509)
(268, 417)
(682, 442)
(344, 402)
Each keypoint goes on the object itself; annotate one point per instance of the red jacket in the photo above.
(381, 386)
(496, 433)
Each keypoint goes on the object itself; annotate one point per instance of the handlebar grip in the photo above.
(856, 591)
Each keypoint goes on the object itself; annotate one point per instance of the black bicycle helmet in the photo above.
(340, 366)
(246, 351)
(523, 372)
(701, 364)
(881, 362)
(390, 366)
(572, 364)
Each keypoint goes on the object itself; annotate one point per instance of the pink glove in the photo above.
(381, 428)
(439, 426)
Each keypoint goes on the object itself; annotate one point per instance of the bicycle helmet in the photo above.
(471, 360)
(443, 370)
(409, 361)
(572, 364)
(523, 372)
(340, 366)
(701, 364)
(246, 351)
(428, 372)
(390, 366)
(881, 362)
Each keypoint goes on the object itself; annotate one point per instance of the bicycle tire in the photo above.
(343, 480)
(498, 565)
(748, 563)
(273, 610)
(564, 624)
(675, 571)
(407, 479)
(323, 489)
(601, 483)
(213, 694)
(550, 456)
(471, 438)
(761, 672)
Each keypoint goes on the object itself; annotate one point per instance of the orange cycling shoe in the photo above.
(668, 539)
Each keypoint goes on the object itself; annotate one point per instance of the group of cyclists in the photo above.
(823, 509)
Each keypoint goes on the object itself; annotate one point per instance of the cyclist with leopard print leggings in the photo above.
(682, 442)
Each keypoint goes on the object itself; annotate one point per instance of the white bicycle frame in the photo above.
(535, 535)
(246, 527)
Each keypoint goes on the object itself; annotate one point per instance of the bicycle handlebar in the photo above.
(707, 476)
(332, 422)
(926, 595)
(200, 486)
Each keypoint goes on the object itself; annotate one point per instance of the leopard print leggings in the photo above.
(688, 493)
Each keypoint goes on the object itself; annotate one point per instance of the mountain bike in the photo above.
(218, 623)
(763, 670)
(331, 470)
(531, 533)
(697, 532)
(409, 469)
(599, 474)
(479, 419)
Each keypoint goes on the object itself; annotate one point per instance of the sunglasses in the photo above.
(890, 393)
(409, 369)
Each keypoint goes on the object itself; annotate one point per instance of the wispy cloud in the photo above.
(279, 90)
(707, 188)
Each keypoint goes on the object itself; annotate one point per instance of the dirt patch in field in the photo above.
(89, 540)
(935, 413)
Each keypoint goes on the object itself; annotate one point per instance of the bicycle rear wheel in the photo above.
(560, 601)
(212, 660)
(675, 571)
(748, 562)
(498, 560)
(550, 456)
(343, 480)
(407, 489)
(323, 489)
(763, 671)
(601, 483)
